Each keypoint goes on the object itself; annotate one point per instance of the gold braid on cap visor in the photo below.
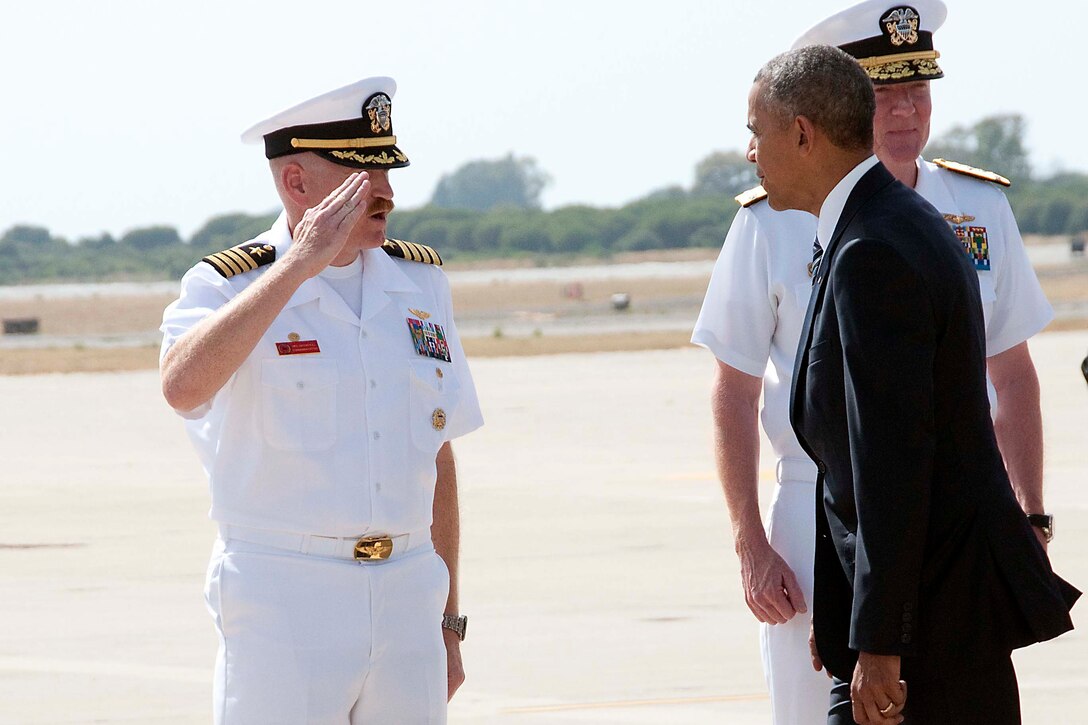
(342, 143)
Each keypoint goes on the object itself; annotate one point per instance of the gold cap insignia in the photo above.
(902, 26)
(438, 419)
(378, 111)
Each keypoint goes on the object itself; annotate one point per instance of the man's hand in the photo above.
(813, 653)
(877, 693)
(324, 229)
(770, 587)
(455, 670)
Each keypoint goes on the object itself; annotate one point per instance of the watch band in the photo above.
(456, 624)
(1043, 522)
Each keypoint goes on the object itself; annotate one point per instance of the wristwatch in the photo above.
(456, 624)
(1043, 522)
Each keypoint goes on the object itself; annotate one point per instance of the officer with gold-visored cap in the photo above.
(321, 377)
(751, 320)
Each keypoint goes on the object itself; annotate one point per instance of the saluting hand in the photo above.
(324, 229)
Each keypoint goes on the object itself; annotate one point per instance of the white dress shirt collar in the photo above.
(833, 205)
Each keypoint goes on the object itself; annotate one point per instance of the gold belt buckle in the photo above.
(370, 548)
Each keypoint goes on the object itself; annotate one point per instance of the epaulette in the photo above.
(412, 251)
(972, 171)
(747, 198)
(243, 258)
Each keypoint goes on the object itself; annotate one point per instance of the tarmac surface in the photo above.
(597, 567)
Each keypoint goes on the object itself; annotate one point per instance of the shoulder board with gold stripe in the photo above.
(972, 171)
(747, 198)
(243, 258)
(412, 251)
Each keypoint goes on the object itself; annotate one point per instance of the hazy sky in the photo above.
(126, 114)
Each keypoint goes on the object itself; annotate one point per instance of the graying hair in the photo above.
(826, 86)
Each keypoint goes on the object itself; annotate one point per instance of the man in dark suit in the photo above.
(927, 572)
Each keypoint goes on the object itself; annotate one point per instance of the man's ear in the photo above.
(293, 181)
(805, 132)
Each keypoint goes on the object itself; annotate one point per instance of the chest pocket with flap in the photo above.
(298, 403)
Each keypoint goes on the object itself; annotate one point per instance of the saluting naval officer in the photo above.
(756, 303)
(321, 377)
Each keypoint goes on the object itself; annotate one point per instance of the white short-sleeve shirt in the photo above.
(339, 440)
(755, 305)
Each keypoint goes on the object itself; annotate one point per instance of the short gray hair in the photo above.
(826, 86)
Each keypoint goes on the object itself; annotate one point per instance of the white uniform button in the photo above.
(300, 385)
(373, 383)
(377, 435)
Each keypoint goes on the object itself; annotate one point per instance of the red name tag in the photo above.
(298, 347)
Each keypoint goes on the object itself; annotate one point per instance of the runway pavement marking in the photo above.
(40, 546)
(24, 665)
(635, 703)
(692, 476)
(765, 474)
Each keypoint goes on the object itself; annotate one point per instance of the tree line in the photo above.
(491, 209)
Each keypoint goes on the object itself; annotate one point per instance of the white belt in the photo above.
(330, 546)
(795, 470)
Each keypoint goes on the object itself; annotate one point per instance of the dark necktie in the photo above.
(817, 255)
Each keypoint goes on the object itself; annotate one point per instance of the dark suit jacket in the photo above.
(922, 549)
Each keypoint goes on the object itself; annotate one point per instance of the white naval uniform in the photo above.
(753, 312)
(301, 448)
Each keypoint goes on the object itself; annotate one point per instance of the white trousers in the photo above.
(309, 640)
(799, 694)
